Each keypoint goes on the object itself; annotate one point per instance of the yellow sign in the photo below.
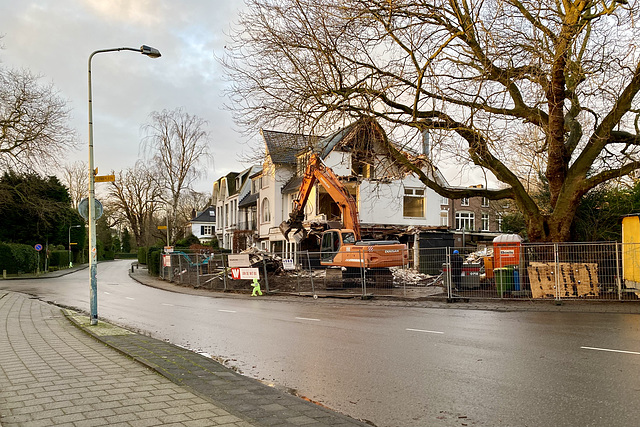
(162, 227)
(105, 178)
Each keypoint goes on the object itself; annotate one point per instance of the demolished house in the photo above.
(392, 202)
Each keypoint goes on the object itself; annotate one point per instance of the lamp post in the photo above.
(70, 227)
(93, 253)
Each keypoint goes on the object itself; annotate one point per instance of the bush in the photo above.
(188, 241)
(142, 255)
(58, 259)
(15, 257)
(153, 261)
(122, 255)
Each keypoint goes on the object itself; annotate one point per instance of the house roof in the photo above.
(207, 215)
(283, 146)
(248, 200)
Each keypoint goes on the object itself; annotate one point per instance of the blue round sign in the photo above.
(38, 247)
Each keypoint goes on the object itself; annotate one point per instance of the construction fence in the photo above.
(593, 271)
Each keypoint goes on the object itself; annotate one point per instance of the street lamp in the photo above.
(93, 253)
(70, 227)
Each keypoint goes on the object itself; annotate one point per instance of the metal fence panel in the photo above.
(590, 271)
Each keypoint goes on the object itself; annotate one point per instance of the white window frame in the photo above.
(464, 219)
(464, 201)
(414, 193)
(484, 224)
(485, 202)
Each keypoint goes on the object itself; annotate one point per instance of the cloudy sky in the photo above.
(55, 38)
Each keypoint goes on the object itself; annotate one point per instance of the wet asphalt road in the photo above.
(393, 366)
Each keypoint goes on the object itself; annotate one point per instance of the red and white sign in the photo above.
(166, 260)
(245, 273)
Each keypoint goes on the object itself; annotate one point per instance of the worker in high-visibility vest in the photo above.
(256, 288)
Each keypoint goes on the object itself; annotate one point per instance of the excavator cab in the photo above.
(332, 240)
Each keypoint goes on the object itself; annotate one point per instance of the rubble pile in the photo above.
(478, 256)
(259, 257)
(413, 277)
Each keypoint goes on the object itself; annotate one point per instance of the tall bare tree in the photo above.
(178, 144)
(131, 195)
(483, 77)
(34, 129)
(75, 177)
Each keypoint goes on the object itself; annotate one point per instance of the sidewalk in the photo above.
(53, 373)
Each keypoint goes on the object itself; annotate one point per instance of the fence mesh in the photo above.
(596, 271)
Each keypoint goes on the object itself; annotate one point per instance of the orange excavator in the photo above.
(341, 247)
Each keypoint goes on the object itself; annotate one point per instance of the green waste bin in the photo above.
(504, 279)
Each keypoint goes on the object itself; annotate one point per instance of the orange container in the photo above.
(506, 250)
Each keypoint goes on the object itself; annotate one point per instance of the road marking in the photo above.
(307, 318)
(107, 293)
(424, 330)
(130, 298)
(168, 305)
(228, 311)
(611, 350)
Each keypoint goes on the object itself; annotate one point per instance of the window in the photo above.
(206, 230)
(464, 201)
(485, 222)
(444, 218)
(465, 220)
(413, 202)
(485, 202)
(444, 201)
(499, 221)
(266, 213)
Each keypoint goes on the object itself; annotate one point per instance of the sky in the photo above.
(55, 38)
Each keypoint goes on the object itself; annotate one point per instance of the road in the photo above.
(393, 366)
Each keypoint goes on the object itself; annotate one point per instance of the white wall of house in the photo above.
(339, 162)
(383, 203)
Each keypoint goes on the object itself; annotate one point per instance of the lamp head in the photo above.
(150, 51)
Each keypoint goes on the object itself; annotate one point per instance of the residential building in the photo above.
(203, 224)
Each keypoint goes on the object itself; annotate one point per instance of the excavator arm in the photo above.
(317, 171)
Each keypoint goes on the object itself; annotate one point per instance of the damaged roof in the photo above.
(283, 146)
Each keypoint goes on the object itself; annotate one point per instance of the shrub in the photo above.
(16, 257)
(153, 261)
(142, 255)
(58, 258)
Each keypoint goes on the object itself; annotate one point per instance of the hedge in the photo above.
(142, 255)
(153, 264)
(15, 258)
(59, 259)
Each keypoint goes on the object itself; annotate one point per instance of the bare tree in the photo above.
(178, 143)
(484, 77)
(75, 177)
(130, 195)
(34, 129)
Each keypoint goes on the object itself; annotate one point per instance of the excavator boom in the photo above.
(317, 171)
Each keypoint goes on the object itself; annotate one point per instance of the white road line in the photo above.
(168, 305)
(307, 318)
(424, 330)
(130, 298)
(107, 293)
(228, 311)
(611, 350)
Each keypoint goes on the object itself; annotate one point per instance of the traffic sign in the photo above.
(38, 247)
(83, 208)
(105, 178)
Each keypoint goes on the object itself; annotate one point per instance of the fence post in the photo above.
(266, 279)
(404, 282)
(557, 269)
(363, 274)
(618, 273)
(313, 289)
(180, 268)
(224, 271)
(198, 270)
(298, 267)
(449, 276)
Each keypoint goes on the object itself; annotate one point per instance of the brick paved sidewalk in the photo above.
(54, 374)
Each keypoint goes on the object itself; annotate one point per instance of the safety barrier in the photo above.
(566, 271)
